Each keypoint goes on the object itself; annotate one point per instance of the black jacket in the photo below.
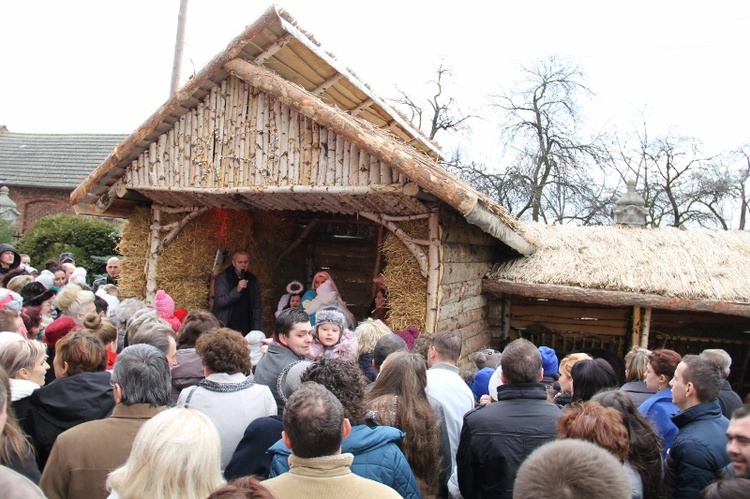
(728, 400)
(496, 438)
(65, 403)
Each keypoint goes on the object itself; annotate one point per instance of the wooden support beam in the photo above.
(360, 109)
(321, 89)
(433, 273)
(152, 257)
(175, 229)
(413, 247)
(613, 298)
(272, 49)
(646, 327)
(635, 330)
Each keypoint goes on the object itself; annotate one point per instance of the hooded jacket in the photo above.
(65, 403)
(16, 258)
(376, 456)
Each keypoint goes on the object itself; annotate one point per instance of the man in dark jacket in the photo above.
(496, 438)
(729, 400)
(697, 455)
(237, 296)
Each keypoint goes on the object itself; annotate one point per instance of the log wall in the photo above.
(241, 137)
(467, 255)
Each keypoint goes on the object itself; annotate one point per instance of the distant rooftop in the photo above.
(52, 160)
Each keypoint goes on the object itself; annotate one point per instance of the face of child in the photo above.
(329, 334)
(295, 301)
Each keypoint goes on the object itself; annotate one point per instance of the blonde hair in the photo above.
(176, 454)
(17, 355)
(17, 283)
(72, 300)
(101, 327)
(636, 363)
(368, 333)
(566, 365)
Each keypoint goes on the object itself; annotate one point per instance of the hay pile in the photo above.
(407, 289)
(186, 267)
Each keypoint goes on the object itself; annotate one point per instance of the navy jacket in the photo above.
(376, 456)
(251, 456)
(698, 452)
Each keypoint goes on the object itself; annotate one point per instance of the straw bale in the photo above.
(407, 289)
(134, 247)
(689, 264)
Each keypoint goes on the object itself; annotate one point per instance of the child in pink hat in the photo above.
(164, 306)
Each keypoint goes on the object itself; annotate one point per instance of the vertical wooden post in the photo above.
(646, 327)
(506, 317)
(433, 273)
(151, 261)
(636, 327)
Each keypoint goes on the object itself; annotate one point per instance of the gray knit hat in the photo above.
(330, 315)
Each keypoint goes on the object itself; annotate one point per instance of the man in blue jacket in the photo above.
(698, 455)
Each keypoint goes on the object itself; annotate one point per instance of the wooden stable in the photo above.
(609, 288)
(313, 171)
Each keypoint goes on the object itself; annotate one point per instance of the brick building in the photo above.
(41, 170)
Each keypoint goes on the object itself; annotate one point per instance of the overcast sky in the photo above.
(104, 66)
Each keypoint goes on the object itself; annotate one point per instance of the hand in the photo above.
(485, 399)
(241, 285)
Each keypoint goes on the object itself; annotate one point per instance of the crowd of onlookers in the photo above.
(114, 398)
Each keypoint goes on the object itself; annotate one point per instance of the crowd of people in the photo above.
(116, 399)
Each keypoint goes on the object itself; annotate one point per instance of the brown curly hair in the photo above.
(598, 424)
(224, 350)
(345, 380)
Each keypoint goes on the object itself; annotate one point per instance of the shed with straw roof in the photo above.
(277, 147)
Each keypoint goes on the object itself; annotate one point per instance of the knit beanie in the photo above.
(10, 300)
(46, 278)
(163, 303)
(481, 385)
(57, 329)
(549, 361)
(330, 315)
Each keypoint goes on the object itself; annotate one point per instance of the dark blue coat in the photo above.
(376, 456)
(251, 456)
(698, 453)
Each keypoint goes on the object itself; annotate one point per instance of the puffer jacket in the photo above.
(698, 454)
(376, 456)
(496, 438)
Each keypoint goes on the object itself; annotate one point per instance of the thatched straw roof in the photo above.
(279, 58)
(684, 266)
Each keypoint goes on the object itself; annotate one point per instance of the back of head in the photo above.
(403, 374)
(9, 321)
(664, 362)
(727, 488)
(571, 469)
(177, 453)
(598, 424)
(448, 346)
(102, 328)
(126, 309)
(286, 320)
(195, 324)
(590, 377)
(368, 333)
(154, 332)
(566, 365)
(343, 379)
(720, 357)
(73, 300)
(313, 421)
(245, 487)
(636, 363)
(521, 362)
(705, 375)
(224, 350)
(142, 372)
(387, 345)
(83, 352)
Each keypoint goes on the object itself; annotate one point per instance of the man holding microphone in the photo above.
(237, 296)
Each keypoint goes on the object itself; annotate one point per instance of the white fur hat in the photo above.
(330, 315)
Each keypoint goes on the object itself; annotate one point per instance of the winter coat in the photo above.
(365, 365)
(251, 456)
(496, 438)
(17, 486)
(188, 371)
(659, 409)
(637, 391)
(345, 349)
(270, 367)
(728, 400)
(698, 453)
(226, 294)
(65, 403)
(376, 456)
(16, 258)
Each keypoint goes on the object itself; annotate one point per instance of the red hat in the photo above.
(57, 329)
(181, 313)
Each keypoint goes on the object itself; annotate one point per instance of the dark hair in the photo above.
(13, 273)
(705, 375)
(385, 346)
(313, 419)
(741, 412)
(245, 487)
(448, 345)
(289, 301)
(598, 424)
(645, 445)
(664, 362)
(286, 321)
(422, 344)
(224, 350)
(142, 372)
(589, 377)
(727, 488)
(100, 304)
(345, 380)
(82, 351)
(195, 324)
(521, 362)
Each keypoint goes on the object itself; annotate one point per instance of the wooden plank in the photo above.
(454, 309)
(463, 320)
(543, 309)
(464, 272)
(460, 290)
(466, 253)
(608, 328)
(466, 235)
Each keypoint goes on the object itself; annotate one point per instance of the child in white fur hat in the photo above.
(332, 337)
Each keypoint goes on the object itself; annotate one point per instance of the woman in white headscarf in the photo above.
(324, 293)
